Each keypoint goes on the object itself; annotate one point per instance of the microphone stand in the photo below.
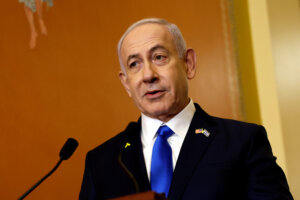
(40, 181)
(64, 154)
(128, 173)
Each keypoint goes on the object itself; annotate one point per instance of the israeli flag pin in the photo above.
(202, 131)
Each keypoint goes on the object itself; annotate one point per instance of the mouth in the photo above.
(153, 94)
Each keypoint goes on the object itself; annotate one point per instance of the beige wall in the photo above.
(268, 50)
(284, 18)
(265, 77)
(257, 76)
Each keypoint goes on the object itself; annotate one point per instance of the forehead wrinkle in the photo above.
(143, 42)
(158, 47)
(139, 45)
(135, 54)
(149, 44)
(138, 40)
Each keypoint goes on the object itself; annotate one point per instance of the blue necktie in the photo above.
(161, 163)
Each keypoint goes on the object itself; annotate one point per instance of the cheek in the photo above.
(177, 80)
(180, 87)
(134, 90)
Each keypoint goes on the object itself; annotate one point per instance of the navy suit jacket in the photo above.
(234, 162)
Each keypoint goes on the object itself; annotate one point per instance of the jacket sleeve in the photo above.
(88, 191)
(266, 180)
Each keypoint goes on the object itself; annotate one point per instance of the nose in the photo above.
(150, 74)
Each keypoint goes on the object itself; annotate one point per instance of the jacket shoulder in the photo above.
(225, 124)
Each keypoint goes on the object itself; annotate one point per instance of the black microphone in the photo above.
(65, 153)
(68, 149)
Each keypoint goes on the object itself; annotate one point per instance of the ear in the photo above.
(124, 80)
(190, 62)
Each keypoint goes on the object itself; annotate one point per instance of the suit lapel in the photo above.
(192, 150)
(133, 157)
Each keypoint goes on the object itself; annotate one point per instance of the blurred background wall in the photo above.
(67, 85)
(284, 17)
(268, 49)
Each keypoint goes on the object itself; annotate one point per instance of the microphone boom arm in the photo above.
(40, 181)
(64, 154)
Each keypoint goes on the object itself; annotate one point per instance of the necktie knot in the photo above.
(165, 132)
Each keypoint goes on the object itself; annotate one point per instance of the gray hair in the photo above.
(173, 29)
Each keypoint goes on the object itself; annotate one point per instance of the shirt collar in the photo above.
(179, 123)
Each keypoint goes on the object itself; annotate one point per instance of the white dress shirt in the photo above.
(179, 124)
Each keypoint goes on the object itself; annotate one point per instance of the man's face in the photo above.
(156, 77)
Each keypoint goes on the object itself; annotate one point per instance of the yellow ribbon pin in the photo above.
(127, 145)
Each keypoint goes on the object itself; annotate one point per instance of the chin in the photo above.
(157, 113)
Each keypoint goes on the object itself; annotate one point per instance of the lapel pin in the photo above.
(127, 145)
(202, 131)
(199, 130)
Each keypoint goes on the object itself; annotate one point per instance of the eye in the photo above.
(133, 64)
(160, 59)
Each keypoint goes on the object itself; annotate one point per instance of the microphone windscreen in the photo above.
(68, 149)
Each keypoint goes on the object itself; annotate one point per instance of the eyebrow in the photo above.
(156, 47)
(131, 57)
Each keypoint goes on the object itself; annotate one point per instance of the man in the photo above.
(175, 147)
